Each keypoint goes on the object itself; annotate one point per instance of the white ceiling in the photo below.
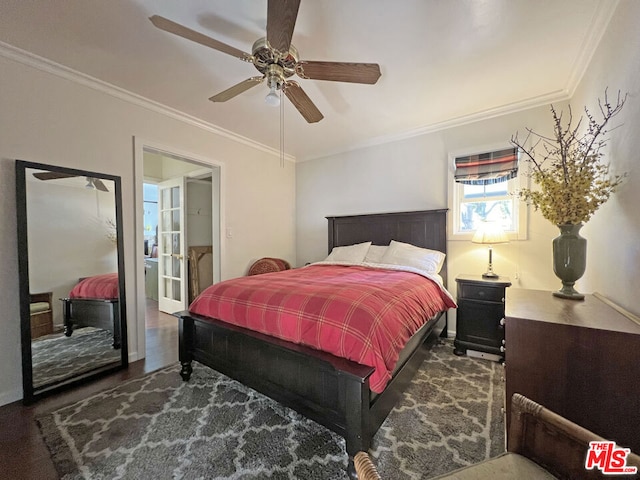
(443, 62)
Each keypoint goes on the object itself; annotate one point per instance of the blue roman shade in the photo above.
(487, 168)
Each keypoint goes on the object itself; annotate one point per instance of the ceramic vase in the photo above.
(569, 260)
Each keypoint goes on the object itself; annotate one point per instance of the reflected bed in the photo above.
(93, 302)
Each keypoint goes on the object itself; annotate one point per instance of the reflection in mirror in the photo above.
(71, 275)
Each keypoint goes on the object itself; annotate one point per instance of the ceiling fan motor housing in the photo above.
(275, 76)
(265, 58)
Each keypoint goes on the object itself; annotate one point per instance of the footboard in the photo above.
(330, 390)
(86, 312)
(318, 385)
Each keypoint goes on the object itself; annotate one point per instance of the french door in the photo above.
(172, 261)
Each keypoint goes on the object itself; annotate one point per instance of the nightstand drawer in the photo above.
(480, 292)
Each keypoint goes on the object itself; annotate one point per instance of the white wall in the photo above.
(400, 176)
(199, 194)
(613, 250)
(50, 119)
(411, 175)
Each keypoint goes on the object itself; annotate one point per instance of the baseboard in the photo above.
(10, 397)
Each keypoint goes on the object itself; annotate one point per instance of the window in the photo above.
(490, 203)
(482, 187)
(150, 200)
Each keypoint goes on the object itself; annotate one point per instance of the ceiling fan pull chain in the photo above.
(281, 128)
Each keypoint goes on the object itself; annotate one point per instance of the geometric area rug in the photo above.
(56, 357)
(212, 427)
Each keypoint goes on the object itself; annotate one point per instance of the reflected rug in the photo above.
(57, 357)
(159, 427)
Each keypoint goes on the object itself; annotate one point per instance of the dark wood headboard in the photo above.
(426, 229)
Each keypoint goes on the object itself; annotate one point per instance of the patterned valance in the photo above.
(486, 168)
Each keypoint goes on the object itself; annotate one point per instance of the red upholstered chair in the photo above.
(268, 265)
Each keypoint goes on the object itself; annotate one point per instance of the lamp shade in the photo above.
(490, 233)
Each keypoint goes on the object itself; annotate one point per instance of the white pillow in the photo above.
(399, 253)
(375, 254)
(351, 253)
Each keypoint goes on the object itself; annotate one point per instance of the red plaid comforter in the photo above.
(101, 286)
(363, 314)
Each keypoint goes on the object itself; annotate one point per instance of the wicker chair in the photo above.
(365, 468)
(268, 265)
(541, 445)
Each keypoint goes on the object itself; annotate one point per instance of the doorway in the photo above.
(189, 218)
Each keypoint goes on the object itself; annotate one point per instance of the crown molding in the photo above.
(599, 25)
(532, 102)
(597, 28)
(40, 63)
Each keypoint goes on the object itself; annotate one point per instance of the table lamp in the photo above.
(489, 233)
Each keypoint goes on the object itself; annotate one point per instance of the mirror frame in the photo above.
(30, 393)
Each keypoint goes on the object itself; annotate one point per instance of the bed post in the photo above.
(114, 314)
(185, 346)
(66, 315)
(357, 434)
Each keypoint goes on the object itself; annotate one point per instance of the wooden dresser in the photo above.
(580, 359)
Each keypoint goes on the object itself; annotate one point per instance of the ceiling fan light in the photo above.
(272, 98)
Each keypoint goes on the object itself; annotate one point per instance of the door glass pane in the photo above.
(175, 200)
(166, 243)
(176, 220)
(167, 288)
(176, 267)
(176, 243)
(167, 264)
(166, 220)
(176, 290)
(166, 198)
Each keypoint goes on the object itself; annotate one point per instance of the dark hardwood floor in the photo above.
(23, 454)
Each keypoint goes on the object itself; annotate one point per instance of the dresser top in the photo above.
(541, 305)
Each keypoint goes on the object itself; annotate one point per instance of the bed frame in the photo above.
(92, 312)
(330, 390)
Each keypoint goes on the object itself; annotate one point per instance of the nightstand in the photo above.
(480, 314)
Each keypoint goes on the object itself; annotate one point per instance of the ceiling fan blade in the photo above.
(184, 32)
(99, 185)
(302, 102)
(339, 71)
(237, 89)
(52, 175)
(281, 19)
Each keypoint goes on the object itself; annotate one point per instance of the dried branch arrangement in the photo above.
(568, 169)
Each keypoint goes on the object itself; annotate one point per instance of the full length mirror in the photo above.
(73, 324)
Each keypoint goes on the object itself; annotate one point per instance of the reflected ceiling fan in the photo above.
(277, 59)
(91, 181)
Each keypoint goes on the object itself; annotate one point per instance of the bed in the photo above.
(333, 391)
(93, 302)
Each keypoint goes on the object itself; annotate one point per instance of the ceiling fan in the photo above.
(277, 59)
(91, 181)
